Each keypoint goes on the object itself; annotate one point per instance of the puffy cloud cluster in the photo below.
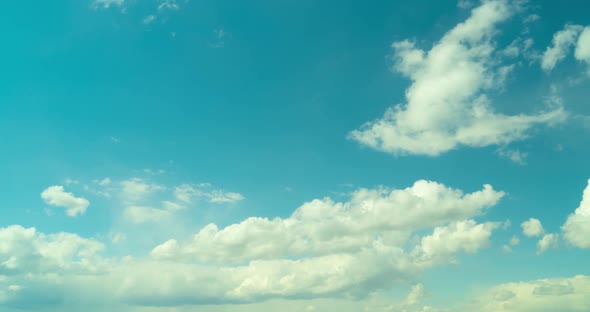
(323, 226)
(447, 105)
(576, 229)
(325, 249)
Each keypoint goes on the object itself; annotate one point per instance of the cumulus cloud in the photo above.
(24, 251)
(562, 42)
(548, 241)
(576, 229)
(57, 196)
(582, 52)
(532, 228)
(447, 105)
(323, 226)
(325, 249)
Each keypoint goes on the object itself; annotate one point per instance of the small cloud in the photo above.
(222, 197)
(514, 241)
(154, 172)
(69, 181)
(288, 189)
(105, 4)
(173, 34)
(48, 212)
(168, 5)
(220, 35)
(532, 228)
(531, 18)
(549, 241)
(506, 249)
(149, 19)
(56, 196)
(464, 4)
(171, 206)
(117, 237)
(135, 189)
(515, 156)
(104, 182)
(115, 139)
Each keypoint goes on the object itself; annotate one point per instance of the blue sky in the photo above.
(295, 155)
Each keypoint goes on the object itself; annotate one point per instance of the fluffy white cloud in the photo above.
(562, 42)
(582, 52)
(446, 102)
(56, 196)
(576, 229)
(323, 226)
(546, 295)
(548, 241)
(467, 236)
(26, 251)
(325, 249)
(532, 228)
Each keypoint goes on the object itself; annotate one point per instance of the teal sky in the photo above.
(172, 155)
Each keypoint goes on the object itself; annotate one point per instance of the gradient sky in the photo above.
(172, 155)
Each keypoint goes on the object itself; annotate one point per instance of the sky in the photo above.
(224, 156)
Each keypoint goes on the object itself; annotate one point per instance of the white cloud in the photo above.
(24, 250)
(464, 4)
(170, 205)
(224, 197)
(104, 182)
(562, 42)
(545, 295)
(135, 189)
(515, 156)
(446, 103)
(323, 226)
(149, 19)
(582, 52)
(548, 241)
(532, 228)
(325, 250)
(576, 229)
(168, 5)
(56, 196)
(514, 241)
(105, 4)
(186, 193)
(467, 236)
